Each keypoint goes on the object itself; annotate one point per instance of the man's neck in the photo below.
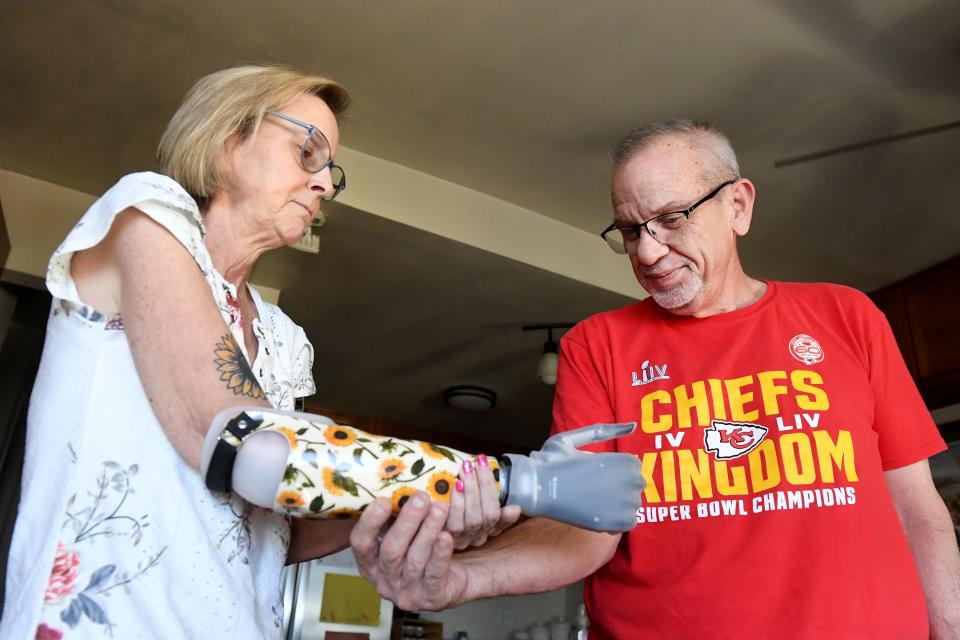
(736, 291)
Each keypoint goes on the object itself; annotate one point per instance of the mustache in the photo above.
(663, 266)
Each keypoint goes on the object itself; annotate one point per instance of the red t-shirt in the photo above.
(764, 434)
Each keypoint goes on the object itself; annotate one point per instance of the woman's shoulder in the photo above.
(146, 186)
(158, 197)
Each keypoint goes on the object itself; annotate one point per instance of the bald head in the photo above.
(716, 159)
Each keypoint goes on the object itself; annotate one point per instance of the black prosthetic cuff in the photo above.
(220, 470)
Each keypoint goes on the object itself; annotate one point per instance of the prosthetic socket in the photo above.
(306, 466)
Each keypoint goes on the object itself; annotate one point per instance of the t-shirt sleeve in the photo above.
(159, 197)
(906, 432)
(581, 396)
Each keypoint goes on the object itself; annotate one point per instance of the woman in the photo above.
(150, 335)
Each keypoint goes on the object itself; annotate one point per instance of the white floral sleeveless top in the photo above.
(116, 536)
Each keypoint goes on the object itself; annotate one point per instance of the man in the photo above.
(783, 442)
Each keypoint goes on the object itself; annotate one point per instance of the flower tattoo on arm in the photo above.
(234, 370)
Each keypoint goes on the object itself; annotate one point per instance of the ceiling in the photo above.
(520, 101)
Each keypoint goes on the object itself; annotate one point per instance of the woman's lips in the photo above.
(306, 210)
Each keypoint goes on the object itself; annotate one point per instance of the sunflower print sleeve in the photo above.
(335, 471)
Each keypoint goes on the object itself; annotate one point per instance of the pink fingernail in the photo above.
(467, 467)
(482, 460)
(459, 486)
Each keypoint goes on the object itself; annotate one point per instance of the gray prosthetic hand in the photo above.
(599, 491)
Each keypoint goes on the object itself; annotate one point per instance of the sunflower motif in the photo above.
(441, 483)
(290, 500)
(332, 481)
(400, 497)
(234, 369)
(391, 468)
(343, 514)
(339, 436)
(434, 451)
(291, 436)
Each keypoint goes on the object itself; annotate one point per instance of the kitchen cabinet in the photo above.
(924, 313)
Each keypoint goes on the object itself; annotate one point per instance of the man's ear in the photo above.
(742, 196)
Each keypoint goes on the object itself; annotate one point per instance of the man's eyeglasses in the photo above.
(315, 155)
(664, 228)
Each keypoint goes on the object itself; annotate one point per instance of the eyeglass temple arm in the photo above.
(307, 126)
(706, 197)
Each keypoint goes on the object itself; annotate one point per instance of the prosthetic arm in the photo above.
(306, 466)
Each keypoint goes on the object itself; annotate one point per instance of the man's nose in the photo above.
(648, 249)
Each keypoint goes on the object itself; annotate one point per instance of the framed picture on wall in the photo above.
(329, 599)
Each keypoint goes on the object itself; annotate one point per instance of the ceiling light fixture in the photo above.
(547, 366)
(469, 398)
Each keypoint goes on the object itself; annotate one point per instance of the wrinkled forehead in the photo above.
(668, 173)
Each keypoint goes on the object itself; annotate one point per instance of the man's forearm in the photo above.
(934, 548)
(535, 556)
(929, 531)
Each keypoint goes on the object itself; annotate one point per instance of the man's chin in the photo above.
(674, 299)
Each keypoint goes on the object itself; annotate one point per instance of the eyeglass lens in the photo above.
(664, 229)
(315, 152)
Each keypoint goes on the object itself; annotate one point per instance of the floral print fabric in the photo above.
(335, 471)
(116, 536)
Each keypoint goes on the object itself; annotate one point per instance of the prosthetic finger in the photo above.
(588, 435)
(599, 491)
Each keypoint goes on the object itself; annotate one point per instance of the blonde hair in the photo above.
(228, 106)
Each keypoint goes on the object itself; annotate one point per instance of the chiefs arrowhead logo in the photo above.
(728, 440)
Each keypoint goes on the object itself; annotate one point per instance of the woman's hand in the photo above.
(475, 514)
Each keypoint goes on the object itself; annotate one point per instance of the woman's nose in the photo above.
(321, 182)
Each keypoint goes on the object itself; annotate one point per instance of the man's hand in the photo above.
(410, 564)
